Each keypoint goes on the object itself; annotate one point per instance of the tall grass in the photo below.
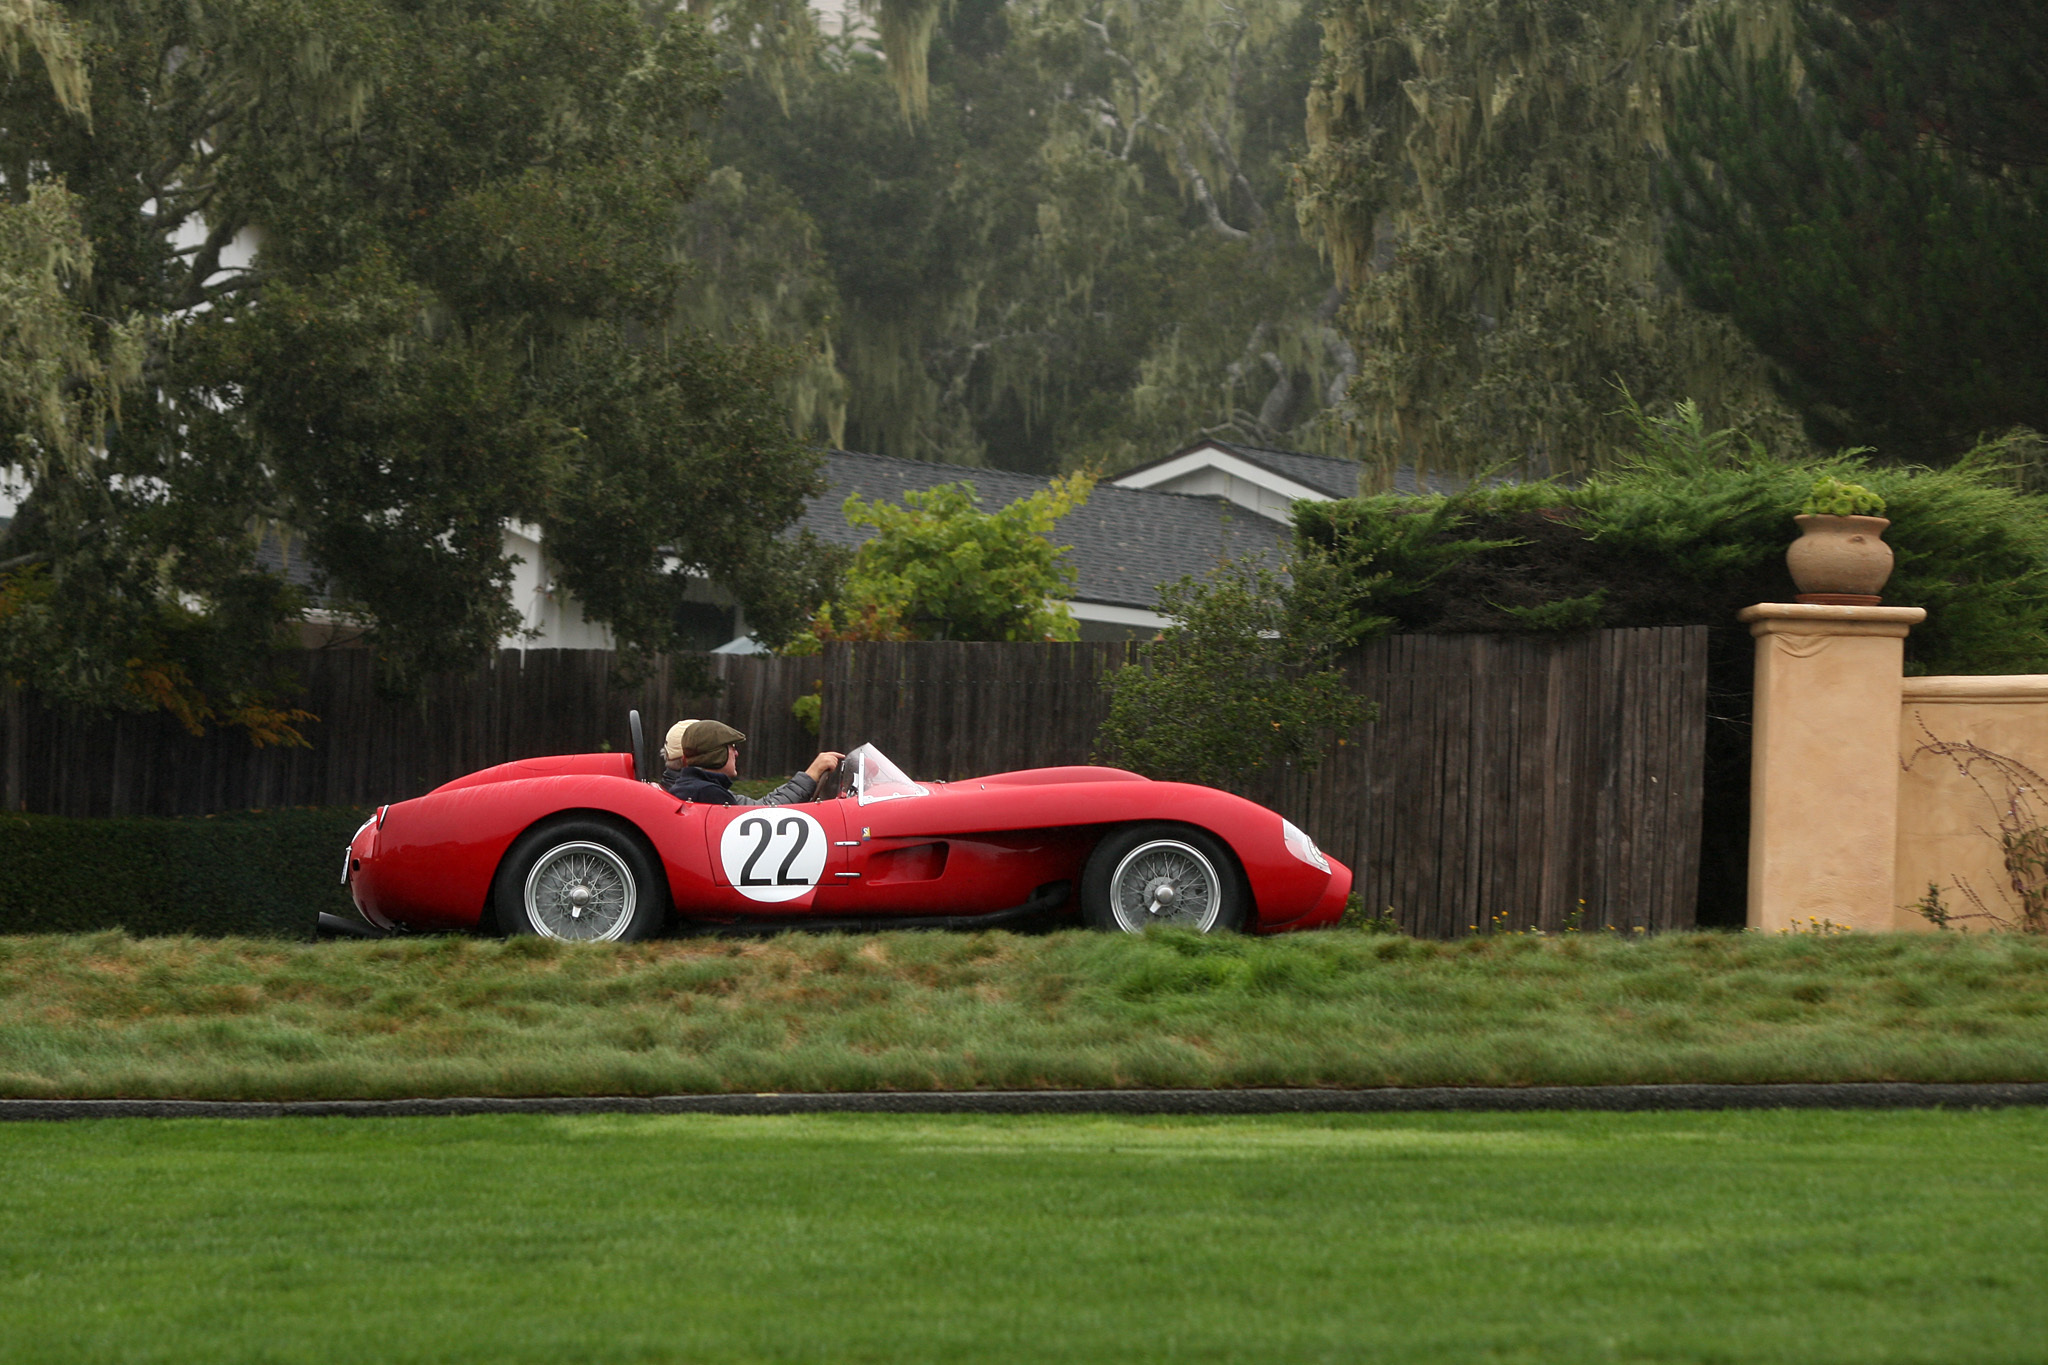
(106, 1015)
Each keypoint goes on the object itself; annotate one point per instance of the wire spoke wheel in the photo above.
(583, 892)
(1165, 881)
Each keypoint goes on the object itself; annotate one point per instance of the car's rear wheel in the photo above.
(1169, 875)
(580, 880)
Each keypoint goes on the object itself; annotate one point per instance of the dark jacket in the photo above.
(715, 789)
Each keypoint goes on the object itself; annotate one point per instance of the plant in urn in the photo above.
(1840, 558)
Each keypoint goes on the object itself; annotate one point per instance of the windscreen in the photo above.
(875, 778)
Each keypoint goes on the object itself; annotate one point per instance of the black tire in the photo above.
(1204, 890)
(624, 897)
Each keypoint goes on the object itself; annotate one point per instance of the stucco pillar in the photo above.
(1824, 763)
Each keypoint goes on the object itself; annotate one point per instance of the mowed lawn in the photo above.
(1779, 1236)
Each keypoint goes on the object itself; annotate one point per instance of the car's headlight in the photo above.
(1303, 847)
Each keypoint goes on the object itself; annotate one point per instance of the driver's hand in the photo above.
(823, 764)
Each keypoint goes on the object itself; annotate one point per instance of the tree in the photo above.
(1075, 252)
(1481, 173)
(1867, 199)
(461, 311)
(1244, 678)
(939, 568)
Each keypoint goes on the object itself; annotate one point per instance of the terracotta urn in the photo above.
(1842, 560)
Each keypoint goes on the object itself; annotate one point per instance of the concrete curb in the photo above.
(1437, 1099)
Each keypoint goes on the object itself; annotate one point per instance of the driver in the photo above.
(710, 753)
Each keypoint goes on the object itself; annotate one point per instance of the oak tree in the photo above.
(399, 274)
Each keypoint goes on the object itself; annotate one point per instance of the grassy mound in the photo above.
(107, 1015)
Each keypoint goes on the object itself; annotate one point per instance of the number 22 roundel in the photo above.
(774, 854)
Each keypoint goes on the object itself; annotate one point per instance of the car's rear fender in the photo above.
(438, 855)
(548, 765)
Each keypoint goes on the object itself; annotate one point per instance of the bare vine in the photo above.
(2015, 792)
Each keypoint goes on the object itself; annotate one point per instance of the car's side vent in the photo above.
(917, 863)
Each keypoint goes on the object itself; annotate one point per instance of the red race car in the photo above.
(576, 847)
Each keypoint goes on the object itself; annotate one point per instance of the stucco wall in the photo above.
(1949, 817)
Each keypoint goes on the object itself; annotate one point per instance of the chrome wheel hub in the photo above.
(580, 891)
(1165, 881)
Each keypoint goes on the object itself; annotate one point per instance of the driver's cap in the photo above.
(707, 739)
(672, 747)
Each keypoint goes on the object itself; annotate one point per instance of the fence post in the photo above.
(1824, 763)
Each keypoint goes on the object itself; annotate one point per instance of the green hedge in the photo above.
(261, 873)
(1690, 532)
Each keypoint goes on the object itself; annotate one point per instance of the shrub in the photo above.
(260, 873)
(940, 568)
(1833, 498)
(1245, 677)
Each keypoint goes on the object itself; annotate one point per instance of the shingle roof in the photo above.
(1126, 541)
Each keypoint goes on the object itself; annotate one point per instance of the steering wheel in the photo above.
(838, 782)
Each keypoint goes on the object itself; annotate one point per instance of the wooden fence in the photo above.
(1552, 783)
(1548, 782)
(368, 749)
(951, 710)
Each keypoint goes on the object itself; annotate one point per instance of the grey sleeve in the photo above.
(801, 787)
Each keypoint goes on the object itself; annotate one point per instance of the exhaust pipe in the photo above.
(340, 926)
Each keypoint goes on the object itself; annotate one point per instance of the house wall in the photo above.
(552, 618)
(1951, 802)
(551, 611)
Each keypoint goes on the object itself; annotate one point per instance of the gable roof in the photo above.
(1125, 541)
(1331, 477)
(1319, 474)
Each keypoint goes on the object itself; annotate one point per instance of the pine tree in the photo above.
(1868, 201)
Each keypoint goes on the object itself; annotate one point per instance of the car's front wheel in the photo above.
(581, 880)
(1162, 874)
